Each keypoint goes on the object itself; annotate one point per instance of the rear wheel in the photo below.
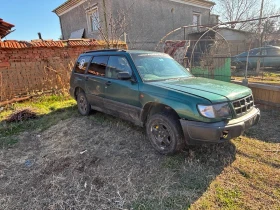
(83, 105)
(165, 133)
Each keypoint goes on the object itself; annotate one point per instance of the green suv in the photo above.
(152, 90)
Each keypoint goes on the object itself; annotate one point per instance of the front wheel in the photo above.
(165, 133)
(83, 104)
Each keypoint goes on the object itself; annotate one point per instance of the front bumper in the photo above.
(200, 133)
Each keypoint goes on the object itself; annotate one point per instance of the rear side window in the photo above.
(82, 64)
(274, 52)
(98, 66)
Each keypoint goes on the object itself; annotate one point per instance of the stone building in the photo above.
(141, 23)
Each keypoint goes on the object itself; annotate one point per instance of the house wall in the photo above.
(147, 20)
(238, 41)
(232, 35)
(76, 19)
(151, 20)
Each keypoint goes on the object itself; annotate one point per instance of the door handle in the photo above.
(108, 83)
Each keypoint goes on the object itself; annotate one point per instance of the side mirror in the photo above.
(124, 76)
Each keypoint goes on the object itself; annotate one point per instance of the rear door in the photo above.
(95, 81)
(121, 96)
(79, 73)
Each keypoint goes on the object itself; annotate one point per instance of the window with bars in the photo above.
(93, 20)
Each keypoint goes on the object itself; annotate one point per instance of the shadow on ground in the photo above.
(100, 162)
(268, 128)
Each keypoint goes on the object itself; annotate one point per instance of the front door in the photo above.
(121, 96)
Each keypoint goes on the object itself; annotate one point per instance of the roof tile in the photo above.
(12, 44)
(5, 28)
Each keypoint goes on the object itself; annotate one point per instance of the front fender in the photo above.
(185, 106)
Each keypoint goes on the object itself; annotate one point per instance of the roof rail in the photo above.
(105, 50)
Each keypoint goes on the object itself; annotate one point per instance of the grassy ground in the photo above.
(50, 110)
(271, 77)
(64, 161)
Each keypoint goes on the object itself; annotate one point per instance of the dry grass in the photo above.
(252, 181)
(100, 162)
(271, 77)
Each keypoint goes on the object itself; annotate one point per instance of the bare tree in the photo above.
(117, 26)
(113, 29)
(236, 10)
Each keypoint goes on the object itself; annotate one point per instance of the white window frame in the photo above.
(93, 20)
(198, 15)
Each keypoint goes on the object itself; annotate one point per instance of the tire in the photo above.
(165, 133)
(83, 105)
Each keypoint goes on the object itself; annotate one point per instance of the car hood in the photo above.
(213, 90)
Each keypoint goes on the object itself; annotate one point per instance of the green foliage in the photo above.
(228, 198)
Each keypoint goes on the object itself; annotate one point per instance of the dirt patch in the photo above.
(100, 162)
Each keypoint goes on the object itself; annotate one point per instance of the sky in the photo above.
(33, 16)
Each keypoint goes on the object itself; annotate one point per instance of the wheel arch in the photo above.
(151, 108)
(77, 91)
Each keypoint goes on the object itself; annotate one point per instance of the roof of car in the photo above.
(267, 47)
(120, 50)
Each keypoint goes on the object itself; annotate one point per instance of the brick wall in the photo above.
(33, 67)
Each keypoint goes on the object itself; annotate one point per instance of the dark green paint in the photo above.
(182, 95)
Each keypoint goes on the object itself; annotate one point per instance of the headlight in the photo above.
(215, 111)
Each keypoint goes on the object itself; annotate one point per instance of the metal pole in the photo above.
(260, 39)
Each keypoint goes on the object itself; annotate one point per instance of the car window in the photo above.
(117, 64)
(98, 65)
(253, 52)
(158, 66)
(264, 52)
(274, 52)
(82, 64)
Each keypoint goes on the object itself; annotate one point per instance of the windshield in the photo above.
(158, 66)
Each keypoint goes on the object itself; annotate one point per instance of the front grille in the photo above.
(243, 105)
